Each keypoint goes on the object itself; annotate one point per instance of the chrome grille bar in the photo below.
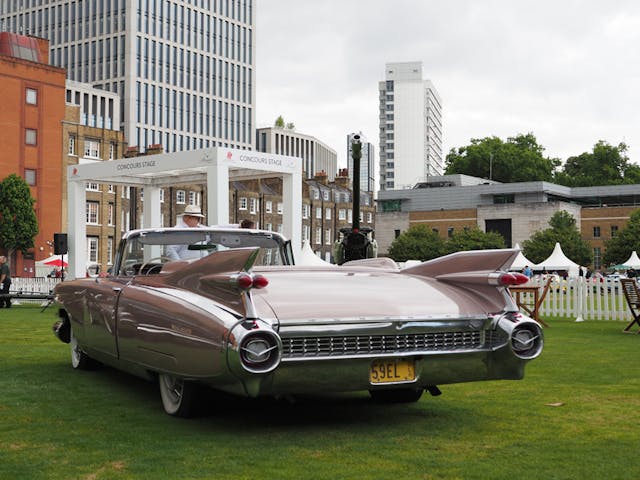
(336, 346)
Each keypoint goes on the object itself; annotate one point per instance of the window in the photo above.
(396, 233)
(279, 208)
(192, 198)
(112, 150)
(597, 258)
(504, 198)
(109, 250)
(268, 226)
(596, 232)
(614, 231)
(30, 136)
(327, 236)
(93, 187)
(450, 231)
(31, 96)
(369, 217)
(316, 195)
(342, 214)
(325, 195)
(327, 213)
(92, 213)
(180, 197)
(242, 203)
(269, 206)
(72, 145)
(253, 205)
(318, 213)
(92, 249)
(110, 214)
(111, 188)
(318, 235)
(305, 232)
(305, 211)
(162, 195)
(92, 148)
(30, 176)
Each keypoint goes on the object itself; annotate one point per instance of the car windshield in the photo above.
(154, 248)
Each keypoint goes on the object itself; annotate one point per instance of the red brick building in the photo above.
(32, 107)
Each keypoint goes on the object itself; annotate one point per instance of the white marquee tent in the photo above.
(633, 261)
(307, 257)
(520, 261)
(558, 261)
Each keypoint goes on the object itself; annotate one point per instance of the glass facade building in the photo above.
(184, 69)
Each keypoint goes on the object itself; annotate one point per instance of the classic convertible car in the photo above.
(228, 309)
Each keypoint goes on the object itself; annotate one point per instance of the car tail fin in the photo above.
(475, 266)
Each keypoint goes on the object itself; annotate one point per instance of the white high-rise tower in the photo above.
(410, 127)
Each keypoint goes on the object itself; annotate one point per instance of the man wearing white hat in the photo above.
(190, 218)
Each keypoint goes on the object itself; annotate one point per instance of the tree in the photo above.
(605, 165)
(626, 241)
(562, 230)
(18, 222)
(519, 159)
(473, 239)
(417, 243)
(279, 123)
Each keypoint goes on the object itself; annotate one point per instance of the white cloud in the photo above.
(567, 71)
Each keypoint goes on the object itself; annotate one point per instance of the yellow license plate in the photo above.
(394, 370)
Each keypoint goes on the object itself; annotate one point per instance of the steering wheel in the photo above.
(152, 260)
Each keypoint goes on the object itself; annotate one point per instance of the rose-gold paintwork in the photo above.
(190, 320)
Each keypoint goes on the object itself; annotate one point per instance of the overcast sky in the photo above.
(566, 71)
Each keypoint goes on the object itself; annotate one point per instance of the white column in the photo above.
(151, 207)
(217, 195)
(292, 210)
(77, 229)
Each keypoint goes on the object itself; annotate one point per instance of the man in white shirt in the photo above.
(191, 218)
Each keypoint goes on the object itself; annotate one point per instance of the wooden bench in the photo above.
(632, 295)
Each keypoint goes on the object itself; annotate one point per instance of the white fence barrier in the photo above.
(583, 299)
(37, 285)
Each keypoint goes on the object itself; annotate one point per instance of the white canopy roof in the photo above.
(520, 261)
(558, 261)
(633, 261)
(307, 257)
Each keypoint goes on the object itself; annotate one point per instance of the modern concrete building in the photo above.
(410, 127)
(316, 155)
(184, 69)
(367, 162)
(515, 210)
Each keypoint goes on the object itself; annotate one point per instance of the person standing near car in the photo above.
(5, 282)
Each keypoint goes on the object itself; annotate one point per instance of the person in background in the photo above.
(527, 271)
(191, 218)
(5, 282)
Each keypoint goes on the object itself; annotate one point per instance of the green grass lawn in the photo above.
(576, 415)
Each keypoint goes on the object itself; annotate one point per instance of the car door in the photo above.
(100, 325)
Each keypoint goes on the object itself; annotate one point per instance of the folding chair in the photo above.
(632, 295)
